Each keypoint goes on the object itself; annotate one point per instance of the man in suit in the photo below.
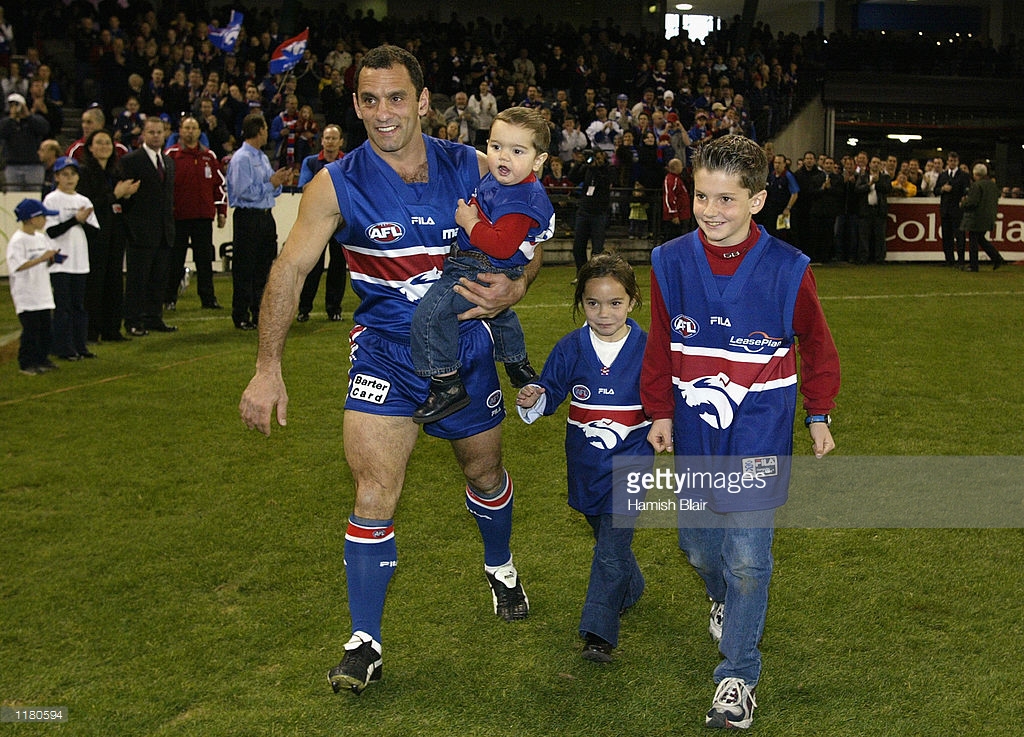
(149, 215)
(872, 187)
(951, 186)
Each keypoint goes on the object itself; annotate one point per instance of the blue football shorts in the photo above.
(382, 381)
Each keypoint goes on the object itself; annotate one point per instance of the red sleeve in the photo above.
(819, 359)
(656, 391)
(502, 238)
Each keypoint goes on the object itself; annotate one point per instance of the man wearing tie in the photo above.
(149, 215)
(951, 187)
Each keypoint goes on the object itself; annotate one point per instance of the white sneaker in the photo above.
(732, 707)
(717, 617)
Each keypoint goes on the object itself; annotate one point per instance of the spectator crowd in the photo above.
(625, 110)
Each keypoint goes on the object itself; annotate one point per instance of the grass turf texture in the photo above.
(167, 572)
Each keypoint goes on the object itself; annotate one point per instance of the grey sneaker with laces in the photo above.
(733, 705)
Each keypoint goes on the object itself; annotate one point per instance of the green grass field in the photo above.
(167, 572)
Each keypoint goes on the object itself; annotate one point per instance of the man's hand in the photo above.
(491, 294)
(265, 392)
(221, 220)
(281, 177)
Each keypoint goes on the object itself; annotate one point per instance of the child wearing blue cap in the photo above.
(29, 254)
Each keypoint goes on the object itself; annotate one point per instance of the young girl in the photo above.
(599, 364)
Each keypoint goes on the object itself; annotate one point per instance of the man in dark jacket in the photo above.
(981, 206)
(20, 135)
(872, 187)
(594, 207)
(149, 215)
(951, 187)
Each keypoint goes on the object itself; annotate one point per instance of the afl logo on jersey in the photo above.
(685, 326)
(385, 232)
(581, 393)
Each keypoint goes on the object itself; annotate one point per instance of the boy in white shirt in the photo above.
(74, 213)
(29, 254)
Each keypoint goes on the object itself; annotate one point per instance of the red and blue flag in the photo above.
(288, 54)
(226, 38)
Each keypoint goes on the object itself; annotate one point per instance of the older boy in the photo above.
(719, 381)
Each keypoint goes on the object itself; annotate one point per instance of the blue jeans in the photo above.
(616, 582)
(435, 323)
(733, 555)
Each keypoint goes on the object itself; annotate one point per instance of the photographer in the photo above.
(594, 206)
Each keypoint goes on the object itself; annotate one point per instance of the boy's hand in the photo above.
(83, 214)
(529, 395)
(821, 437)
(660, 435)
(466, 216)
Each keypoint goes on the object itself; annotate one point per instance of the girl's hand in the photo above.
(529, 395)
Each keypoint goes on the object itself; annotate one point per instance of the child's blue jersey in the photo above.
(734, 360)
(397, 235)
(495, 200)
(606, 418)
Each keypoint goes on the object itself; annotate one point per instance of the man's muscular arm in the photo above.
(317, 220)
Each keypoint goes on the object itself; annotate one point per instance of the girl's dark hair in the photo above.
(610, 264)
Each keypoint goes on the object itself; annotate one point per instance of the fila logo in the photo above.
(417, 220)
(718, 320)
(605, 390)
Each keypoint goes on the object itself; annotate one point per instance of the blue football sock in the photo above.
(371, 555)
(493, 513)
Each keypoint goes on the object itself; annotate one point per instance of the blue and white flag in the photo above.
(226, 38)
(288, 54)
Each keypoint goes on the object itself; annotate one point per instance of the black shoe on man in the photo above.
(361, 665)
